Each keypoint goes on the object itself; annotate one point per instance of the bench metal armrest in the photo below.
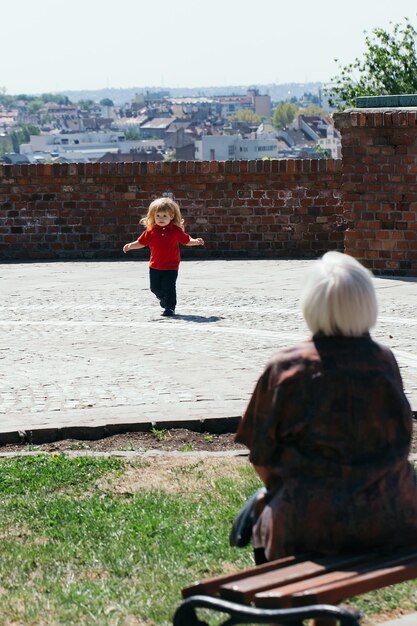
(185, 615)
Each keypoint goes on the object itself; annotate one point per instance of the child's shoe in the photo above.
(168, 313)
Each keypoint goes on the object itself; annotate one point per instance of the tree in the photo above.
(106, 102)
(15, 141)
(321, 152)
(132, 134)
(36, 102)
(310, 97)
(284, 114)
(5, 100)
(30, 129)
(246, 115)
(170, 156)
(35, 105)
(6, 145)
(388, 67)
(55, 97)
(312, 110)
(22, 135)
(86, 105)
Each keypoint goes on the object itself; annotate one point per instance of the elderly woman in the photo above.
(329, 428)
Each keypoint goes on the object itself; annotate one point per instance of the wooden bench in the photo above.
(293, 589)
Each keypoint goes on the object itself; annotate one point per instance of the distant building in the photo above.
(156, 128)
(234, 148)
(202, 107)
(232, 104)
(176, 135)
(261, 104)
(8, 119)
(322, 132)
(82, 147)
(130, 123)
(133, 156)
(332, 142)
(87, 123)
(195, 108)
(52, 108)
(185, 153)
(14, 158)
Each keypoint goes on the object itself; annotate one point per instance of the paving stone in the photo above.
(83, 344)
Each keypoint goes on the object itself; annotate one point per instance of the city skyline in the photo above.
(90, 45)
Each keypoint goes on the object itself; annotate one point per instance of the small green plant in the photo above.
(158, 433)
(208, 438)
(321, 152)
(188, 447)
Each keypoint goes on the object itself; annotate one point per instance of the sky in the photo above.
(55, 45)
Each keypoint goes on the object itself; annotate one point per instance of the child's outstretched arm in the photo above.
(133, 245)
(196, 242)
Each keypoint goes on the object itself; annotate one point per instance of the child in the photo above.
(163, 233)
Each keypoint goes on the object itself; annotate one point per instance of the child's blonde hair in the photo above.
(163, 204)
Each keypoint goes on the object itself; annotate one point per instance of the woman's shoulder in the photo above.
(293, 361)
(386, 359)
(382, 350)
(304, 351)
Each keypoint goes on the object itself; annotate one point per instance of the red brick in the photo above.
(110, 198)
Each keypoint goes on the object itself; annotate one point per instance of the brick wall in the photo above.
(269, 209)
(379, 186)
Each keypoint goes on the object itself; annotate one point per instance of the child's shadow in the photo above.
(199, 319)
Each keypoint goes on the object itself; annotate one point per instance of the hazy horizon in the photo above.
(95, 45)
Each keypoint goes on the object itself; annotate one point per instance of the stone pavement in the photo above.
(83, 346)
(406, 620)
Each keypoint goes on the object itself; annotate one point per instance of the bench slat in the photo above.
(211, 586)
(281, 596)
(369, 575)
(357, 585)
(245, 589)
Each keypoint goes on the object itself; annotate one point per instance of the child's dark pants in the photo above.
(162, 284)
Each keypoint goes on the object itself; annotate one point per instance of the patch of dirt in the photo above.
(178, 439)
(174, 475)
(173, 440)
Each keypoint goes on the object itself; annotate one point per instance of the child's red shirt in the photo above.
(163, 243)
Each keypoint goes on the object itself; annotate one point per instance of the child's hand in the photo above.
(126, 247)
(200, 241)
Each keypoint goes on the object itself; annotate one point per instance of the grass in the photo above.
(111, 542)
(77, 550)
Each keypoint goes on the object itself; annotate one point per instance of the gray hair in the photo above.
(339, 297)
